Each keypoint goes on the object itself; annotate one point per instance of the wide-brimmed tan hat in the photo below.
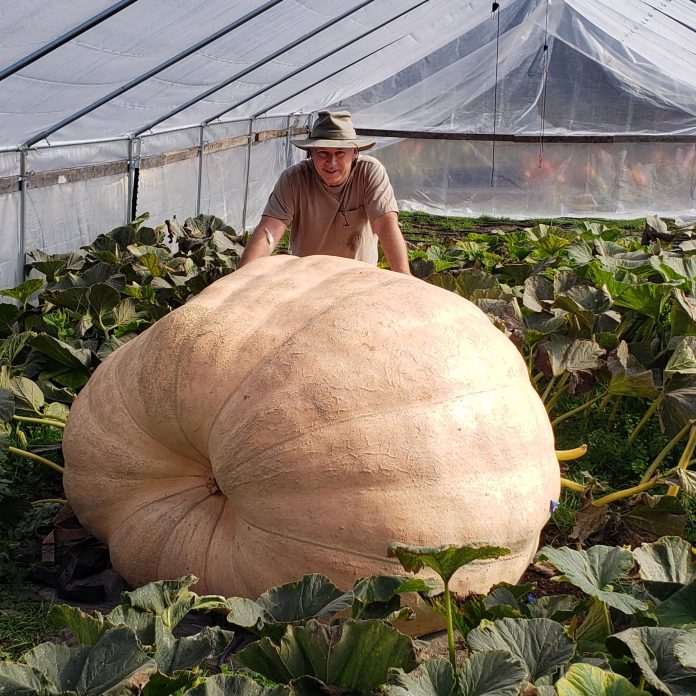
(333, 129)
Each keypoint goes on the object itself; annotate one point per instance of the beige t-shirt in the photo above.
(333, 220)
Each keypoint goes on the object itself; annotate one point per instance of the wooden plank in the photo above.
(87, 172)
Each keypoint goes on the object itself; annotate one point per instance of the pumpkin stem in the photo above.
(212, 486)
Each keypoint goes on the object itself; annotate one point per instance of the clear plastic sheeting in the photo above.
(570, 179)
(608, 67)
(111, 118)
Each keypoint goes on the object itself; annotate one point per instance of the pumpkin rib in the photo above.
(312, 320)
(183, 518)
(375, 557)
(208, 555)
(398, 408)
(158, 442)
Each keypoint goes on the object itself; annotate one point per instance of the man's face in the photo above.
(333, 163)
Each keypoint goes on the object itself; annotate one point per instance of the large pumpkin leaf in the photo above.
(175, 654)
(685, 649)
(572, 355)
(584, 302)
(538, 294)
(679, 611)
(379, 597)
(61, 352)
(444, 560)
(7, 405)
(315, 596)
(22, 680)
(353, 655)
(659, 515)
(114, 666)
(541, 644)
(170, 600)
(653, 650)
(679, 403)
(594, 629)
(588, 680)
(671, 559)
(596, 572)
(492, 673)
(645, 298)
(683, 359)
(683, 315)
(23, 292)
(235, 685)
(431, 678)
(28, 393)
(628, 376)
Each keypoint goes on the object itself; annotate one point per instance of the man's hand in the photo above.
(386, 227)
(263, 240)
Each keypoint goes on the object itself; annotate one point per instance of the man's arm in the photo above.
(263, 240)
(386, 227)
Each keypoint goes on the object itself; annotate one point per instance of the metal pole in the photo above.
(247, 173)
(201, 145)
(135, 169)
(288, 146)
(64, 38)
(129, 192)
(22, 214)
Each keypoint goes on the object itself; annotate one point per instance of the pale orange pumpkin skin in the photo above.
(298, 416)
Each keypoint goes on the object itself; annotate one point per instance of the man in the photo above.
(336, 201)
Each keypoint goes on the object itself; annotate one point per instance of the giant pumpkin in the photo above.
(298, 416)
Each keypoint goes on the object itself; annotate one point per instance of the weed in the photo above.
(23, 624)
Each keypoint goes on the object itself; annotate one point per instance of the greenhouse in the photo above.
(524, 108)
(348, 348)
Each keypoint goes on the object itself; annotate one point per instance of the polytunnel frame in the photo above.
(134, 140)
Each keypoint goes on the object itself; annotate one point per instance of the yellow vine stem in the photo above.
(626, 492)
(667, 449)
(685, 458)
(36, 458)
(575, 411)
(646, 417)
(40, 421)
(571, 454)
(572, 485)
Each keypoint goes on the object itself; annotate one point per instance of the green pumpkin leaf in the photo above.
(354, 655)
(660, 515)
(685, 650)
(541, 644)
(588, 680)
(175, 654)
(683, 359)
(572, 355)
(491, 673)
(679, 610)
(293, 603)
(7, 405)
(595, 628)
(653, 650)
(444, 560)
(628, 376)
(61, 352)
(24, 290)
(431, 678)
(115, 664)
(235, 685)
(671, 559)
(645, 298)
(28, 392)
(22, 680)
(596, 572)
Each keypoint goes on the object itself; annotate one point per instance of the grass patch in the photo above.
(23, 624)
